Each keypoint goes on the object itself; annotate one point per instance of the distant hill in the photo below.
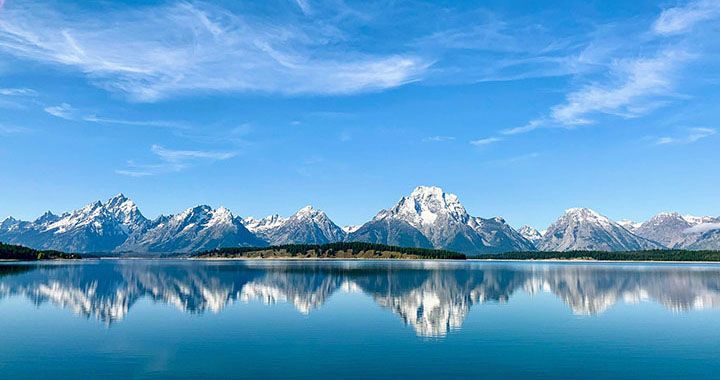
(349, 250)
(18, 252)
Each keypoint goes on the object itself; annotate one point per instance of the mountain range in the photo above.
(427, 218)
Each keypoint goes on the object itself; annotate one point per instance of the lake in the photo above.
(358, 319)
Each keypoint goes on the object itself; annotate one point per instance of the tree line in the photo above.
(19, 252)
(328, 250)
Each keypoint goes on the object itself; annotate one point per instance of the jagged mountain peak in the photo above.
(530, 233)
(308, 212)
(47, 217)
(582, 212)
(441, 218)
(674, 230)
(308, 225)
(427, 206)
(584, 229)
(267, 223)
(8, 223)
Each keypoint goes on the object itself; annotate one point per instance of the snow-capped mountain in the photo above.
(581, 229)
(307, 226)
(629, 225)
(97, 227)
(267, 223)
(531, 234)
(195, 229)
(350, 228)
(674, 230)
(427, 218)
(443, 221)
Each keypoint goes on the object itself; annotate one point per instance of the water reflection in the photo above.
(433, 297)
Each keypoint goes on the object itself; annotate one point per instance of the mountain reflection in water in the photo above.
(433, 297)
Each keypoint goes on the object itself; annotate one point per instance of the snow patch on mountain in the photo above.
(582, 229)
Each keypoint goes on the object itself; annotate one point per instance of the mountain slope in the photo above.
(531, 234)
(97, 227)
(307, 226)
(582, 229)
(444, 223)
(674, 230)
(195, 229)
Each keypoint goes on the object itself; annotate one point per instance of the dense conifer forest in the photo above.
(346, 250)
(18, 252)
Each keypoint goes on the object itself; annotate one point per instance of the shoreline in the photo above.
(598, 261)
(584, 261)
(380, 259)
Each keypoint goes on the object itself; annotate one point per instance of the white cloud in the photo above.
(635, 85)
(486, 141)
(694, 134)
(530, 126)
(168, 50)
(141, 123)
(637, 82)
(172, 161)
(702, 228)
(17, 92)
(170, 155)
(438, 138)
(681, 19)
(304, 6)
(63, 111)
(9, 130)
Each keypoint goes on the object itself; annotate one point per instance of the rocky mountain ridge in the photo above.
(427, 218)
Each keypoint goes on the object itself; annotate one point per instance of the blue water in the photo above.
(278, 319)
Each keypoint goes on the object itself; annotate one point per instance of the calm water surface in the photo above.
(190, 319)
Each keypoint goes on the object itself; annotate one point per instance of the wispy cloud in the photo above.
(636, 82)
(680, 19)
(530, 126)
(63, 111)
(304, 6)
(140, 123)
(483, 142)
(10, 129)
(68, 112)
(190, 47)
(172, 161)
(702, 228)
(438, 138)
(694, 134)
(17, 92)
(635, 85)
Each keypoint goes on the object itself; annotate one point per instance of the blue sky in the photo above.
(522, 109)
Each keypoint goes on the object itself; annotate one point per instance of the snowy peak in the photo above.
(444, 221)
(586, 215)
(195, 229)
(674, 230)
(46, 218)
(629, 225)
(427, 206)
(350, 228)
(267, 223)
(530, 233)
(582, 229)
(307, 226)
(125, 210)
(308, 212)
